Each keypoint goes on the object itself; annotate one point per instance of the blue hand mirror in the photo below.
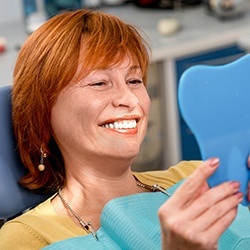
(215, 103)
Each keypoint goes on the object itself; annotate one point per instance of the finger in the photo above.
(202, 190)
(248, 187)
(248, 161)
(215, 231)
(217, 211)
(193, 184)
(212, 197)
(248, 191)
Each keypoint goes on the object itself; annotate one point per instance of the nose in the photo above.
(124, 97)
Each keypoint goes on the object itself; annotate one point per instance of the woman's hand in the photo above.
(195, 216)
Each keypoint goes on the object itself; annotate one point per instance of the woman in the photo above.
(80, 113)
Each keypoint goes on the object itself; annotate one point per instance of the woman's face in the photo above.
(104, 114)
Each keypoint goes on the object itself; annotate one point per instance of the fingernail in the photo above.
(235, 185)
(239, 195)
(213, 162)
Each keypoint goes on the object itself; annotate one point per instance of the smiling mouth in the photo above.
(125, 124)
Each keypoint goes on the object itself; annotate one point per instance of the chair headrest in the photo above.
(13, 197)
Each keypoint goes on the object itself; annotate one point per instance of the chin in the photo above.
(126, 155)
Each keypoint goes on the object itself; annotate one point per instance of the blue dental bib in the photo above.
(131, 223)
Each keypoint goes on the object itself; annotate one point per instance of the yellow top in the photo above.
(41, 226)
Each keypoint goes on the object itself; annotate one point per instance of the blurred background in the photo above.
(181, 33)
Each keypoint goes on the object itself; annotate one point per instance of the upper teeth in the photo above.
(121, 125)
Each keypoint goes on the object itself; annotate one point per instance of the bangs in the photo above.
(106, 44)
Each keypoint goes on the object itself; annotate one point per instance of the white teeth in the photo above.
(128, 124)
(116, 125)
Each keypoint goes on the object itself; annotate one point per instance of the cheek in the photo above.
(74, 113)
(64, 115)
(145, 106)
(145, 103)
(59, 121)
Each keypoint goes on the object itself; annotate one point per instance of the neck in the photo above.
(88, 192)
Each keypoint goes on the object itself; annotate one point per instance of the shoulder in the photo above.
(41, 226)
(17, 235)
(22, 232)
(169, 177)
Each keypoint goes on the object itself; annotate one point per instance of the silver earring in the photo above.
(41, 166)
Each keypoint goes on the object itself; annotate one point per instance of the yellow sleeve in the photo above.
(37, 228)
(15, 235)
(169, 177)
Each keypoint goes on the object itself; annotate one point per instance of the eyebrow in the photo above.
(130, 69)
(133, 67)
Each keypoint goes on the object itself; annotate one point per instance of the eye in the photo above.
(98, 84)
(135, 81)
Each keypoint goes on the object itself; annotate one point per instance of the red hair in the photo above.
(47, 63)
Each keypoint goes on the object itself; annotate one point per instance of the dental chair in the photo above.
(215, 103)
(14, 199)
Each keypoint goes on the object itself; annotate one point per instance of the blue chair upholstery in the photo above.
(14, 198)
(215, 103)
